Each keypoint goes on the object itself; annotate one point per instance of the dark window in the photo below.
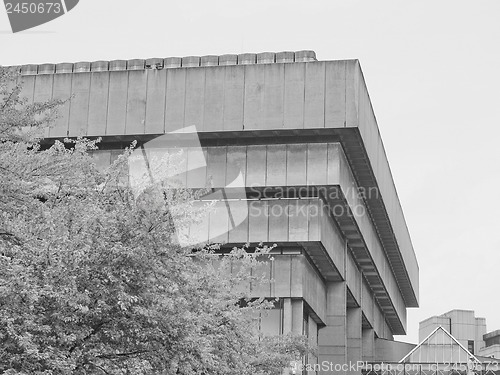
(305, 326)
(470, 346)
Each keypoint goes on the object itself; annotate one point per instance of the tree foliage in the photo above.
(91, 280)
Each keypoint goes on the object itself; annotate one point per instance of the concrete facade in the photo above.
(492, 345)
(304, 138)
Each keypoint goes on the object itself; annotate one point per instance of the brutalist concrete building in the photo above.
(302, 138)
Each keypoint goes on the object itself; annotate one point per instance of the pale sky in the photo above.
(433, 73)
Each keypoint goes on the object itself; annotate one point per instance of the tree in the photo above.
(91, 280)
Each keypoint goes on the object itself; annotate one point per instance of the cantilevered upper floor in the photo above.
(247, 99)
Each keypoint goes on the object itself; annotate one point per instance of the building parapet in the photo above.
(170, 62)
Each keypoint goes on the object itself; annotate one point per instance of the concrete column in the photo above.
(354, 336)
(297, 316)
(332, 339)
(287, 316)
(293, 316)
(368, 344)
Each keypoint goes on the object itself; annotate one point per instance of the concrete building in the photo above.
(492, 345)
(462, 324)
(303, 136)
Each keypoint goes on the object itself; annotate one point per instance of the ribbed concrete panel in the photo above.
(196, 176)
(219, 223)
(79, 106)
(273, 96)
(314, 220)
(253, 106)
(234, 90)
(352, 79)
(213, 108)
(258, 222)
(117, 103)
(216, 165)
(236, 163)
(333, 166)
(317, 159)
(298, 225)
(43, 90)
(335, 94)
(28, 87)
(136, 102)
(195, 98)
(282, 275)
(155, 103)
(276, 159)
(62, 90)
(279, 222)
(294, 88)
(260, 213)
(240, 233)
(296, 164)
(175, 100)
(297, 276)
(256, 166)
(98, 103)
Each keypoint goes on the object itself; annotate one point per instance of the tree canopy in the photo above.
(91, 278)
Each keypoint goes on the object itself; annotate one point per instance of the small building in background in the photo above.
(469, 330)
(492, 345)
(461, 324)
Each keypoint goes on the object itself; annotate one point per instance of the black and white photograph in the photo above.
(249, 187)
